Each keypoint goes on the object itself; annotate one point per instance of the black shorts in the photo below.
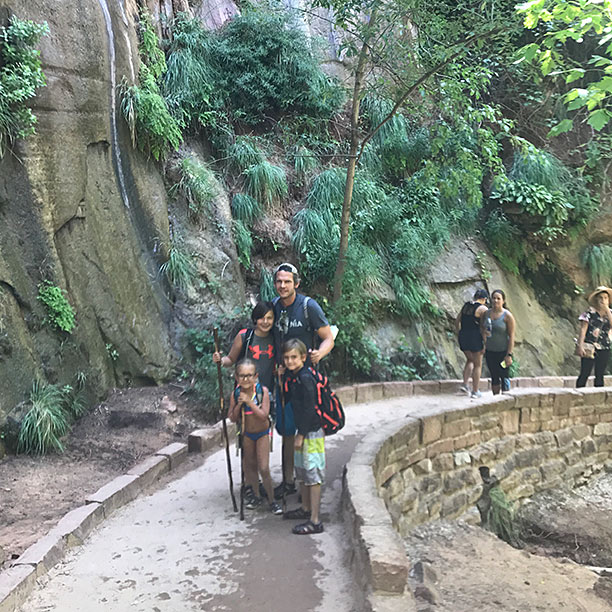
(470, 340)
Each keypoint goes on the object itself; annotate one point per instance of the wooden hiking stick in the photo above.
(222, 411)
(282, 403)
(241, 439)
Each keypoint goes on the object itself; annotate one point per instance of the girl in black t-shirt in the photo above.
(256, 343)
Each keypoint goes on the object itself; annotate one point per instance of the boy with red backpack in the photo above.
(300, 388)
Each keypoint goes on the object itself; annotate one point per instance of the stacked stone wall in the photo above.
(429, 468)
(421, 468)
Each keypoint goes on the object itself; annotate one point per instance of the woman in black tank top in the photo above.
(470, 333)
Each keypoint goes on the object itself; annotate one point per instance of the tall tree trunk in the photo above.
(351, 167)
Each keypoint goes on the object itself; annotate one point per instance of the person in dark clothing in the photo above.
(296, 316)
(256, 343)
(471, 342)
(309, 445)
(593, 345)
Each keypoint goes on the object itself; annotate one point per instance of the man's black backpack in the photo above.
(329, 407)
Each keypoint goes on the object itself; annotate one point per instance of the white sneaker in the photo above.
(476, 395)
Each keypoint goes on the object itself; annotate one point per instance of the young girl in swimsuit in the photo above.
(250, 407)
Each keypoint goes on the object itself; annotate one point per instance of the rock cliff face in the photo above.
(544, 342)
(79, 208)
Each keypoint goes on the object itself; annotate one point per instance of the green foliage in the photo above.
(246, 209)
(266, 183)
(153, 129)
(504, 240)
(267, 291)
(244, 242)
(397, 150)
(59, 311)
(535, 200)
(269, 69)
(203, 372)
(197, 184)
(243, 153)
(597, 259)
(20, 76)
(149, 49)
(560, 26)
(46, 422)
(190, 83)
(304, 162)
(180, 268)
(259, 65)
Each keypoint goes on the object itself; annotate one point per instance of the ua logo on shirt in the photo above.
(257, 352)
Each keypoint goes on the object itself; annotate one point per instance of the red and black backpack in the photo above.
(328, 406)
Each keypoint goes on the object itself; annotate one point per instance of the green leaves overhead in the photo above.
(564, 31)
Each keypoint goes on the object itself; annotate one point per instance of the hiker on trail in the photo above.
(593, 344)
(257, 343)
(309, 445)
(499, 324)
(296, 317)
(250, 408)
(471, 338)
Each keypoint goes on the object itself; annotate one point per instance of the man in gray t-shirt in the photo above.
(296, 316)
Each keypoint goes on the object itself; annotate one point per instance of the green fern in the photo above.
(304, 162)
(243, 153)
(197, 184)
(20, 76)
(149, 49)
(267, 291)
(244, 243)
(45, 423)
(245, 208)
(597, 259)
(59, 311)
(266, 183)
(179, 268)
(152, 128)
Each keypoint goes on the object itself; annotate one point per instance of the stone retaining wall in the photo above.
(415, 470)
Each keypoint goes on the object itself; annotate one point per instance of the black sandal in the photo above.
(308, 528)
(298, 513)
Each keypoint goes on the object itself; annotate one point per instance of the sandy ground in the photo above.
(131, 424)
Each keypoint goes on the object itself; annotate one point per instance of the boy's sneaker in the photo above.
(505, 384)
(275, 508)
(464, 389)
(476, 395)
(289, 490)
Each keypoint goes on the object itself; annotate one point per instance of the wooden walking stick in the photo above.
(282, 403)
(222, 412)
(241, 439)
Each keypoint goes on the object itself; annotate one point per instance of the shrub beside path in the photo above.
(183, 548)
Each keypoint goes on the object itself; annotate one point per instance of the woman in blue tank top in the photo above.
(500, 340)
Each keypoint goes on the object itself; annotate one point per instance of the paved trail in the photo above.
(182, 549)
